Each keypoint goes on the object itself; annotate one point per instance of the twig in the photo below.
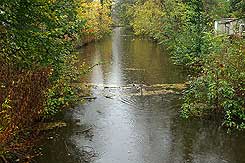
(90, 68)
(89, 98)
(86, 130)
(67, 149)
(108, 97)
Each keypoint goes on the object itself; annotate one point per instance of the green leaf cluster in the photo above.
(219, 90)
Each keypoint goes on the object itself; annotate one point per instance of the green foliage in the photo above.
(98, 19)
(186, 29)
(237, 8)
(63, 94)
(220, 88)
(146, 17)
(38, 67)
(34, 31)
(178, 25)
(38, 33)
(122, 15)
(59, 96)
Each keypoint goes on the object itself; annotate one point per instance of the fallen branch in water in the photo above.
(86, 130)
(89, 98)
(108, 97)
(177, 86)
(50, 126)
(134, 69)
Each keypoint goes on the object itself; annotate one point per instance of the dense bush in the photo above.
(22, 98)
(62, 93)
(220, 89)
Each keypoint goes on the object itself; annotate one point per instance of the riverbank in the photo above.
(215, 58)
(125, 127)
(39, 66)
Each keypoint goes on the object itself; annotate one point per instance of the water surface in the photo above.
(137, 129)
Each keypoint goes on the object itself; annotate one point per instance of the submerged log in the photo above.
(51, 125)
(177, 86)
(143, 90)
(151, 93)
(134, 69)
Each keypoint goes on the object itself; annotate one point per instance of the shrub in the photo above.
(62, 94)
(36, 42)
(220, 87)
(21, 102)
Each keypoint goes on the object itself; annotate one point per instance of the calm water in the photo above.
(136, 129)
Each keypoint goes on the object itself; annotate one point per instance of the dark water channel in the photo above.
(124, 128)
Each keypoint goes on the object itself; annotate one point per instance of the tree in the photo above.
(34, 51)
(237, 7)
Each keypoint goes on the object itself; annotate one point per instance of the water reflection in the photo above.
(140, 129)
(115, 76)
(128, 60)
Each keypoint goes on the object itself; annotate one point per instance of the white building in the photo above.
(230, 26)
